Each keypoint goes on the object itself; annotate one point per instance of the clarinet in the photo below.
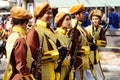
(94, 42)
(73, 58)
(68, 47)
(39, 56)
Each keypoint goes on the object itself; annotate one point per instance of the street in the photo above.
(112, 75)
(111, 72)
(2, 67)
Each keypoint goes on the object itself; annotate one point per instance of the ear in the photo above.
(75, 15)
(100, 20)
(59, 24)
(26, 21)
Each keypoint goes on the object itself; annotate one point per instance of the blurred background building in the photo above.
(61, 4)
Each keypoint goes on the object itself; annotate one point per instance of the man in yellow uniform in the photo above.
(96, 38)
(80, 46)
(18, 51)
(63, 23)
(43, 31)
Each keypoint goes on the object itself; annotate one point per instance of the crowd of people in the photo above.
(67, 52)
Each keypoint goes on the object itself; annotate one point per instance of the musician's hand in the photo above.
(93, 46)
(62, 51)
(37, 65)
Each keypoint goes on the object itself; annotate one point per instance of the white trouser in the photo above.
(99, 72)
(87, 75)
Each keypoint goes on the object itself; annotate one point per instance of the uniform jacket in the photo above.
(42, 29)
(81, 36)
(98, 35)
(19, 54)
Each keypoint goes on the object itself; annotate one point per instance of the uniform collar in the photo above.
(96, 28)
(42, 24)
(62, 31)
(20, 30)
(74, 21)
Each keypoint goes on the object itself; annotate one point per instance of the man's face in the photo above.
(80, 16)
(96, 20)
(47, 16)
